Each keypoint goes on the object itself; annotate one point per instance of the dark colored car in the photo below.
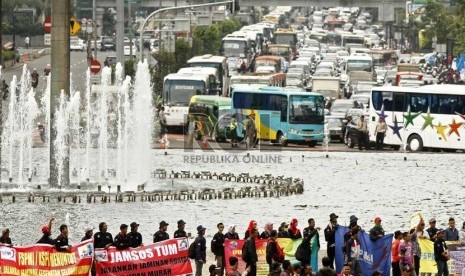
(108, 44)
(351, 132)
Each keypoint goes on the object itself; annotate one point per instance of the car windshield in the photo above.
(233, 48)
(179, 92)
(306, 109)
(341, 107)
(359, 65)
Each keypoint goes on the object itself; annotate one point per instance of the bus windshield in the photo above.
(179, 92)
(353, 40)
(234, 48)
(359, 65)
(306, 109)
(286, 39)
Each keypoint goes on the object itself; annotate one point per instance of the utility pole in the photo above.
(59, 81)
(2, 92)
(120, 32)
(94, 28)
(130, 28)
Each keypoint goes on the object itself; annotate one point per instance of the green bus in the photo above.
(212, 116)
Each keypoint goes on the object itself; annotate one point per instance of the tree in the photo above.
(109, 22)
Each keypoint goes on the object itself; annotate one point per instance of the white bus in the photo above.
(218, 62)
(420, 117)
(177, 92)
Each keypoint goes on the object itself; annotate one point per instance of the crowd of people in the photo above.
(406, 252)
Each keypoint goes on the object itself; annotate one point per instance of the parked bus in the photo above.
(212, 116)
(288, 37)
(429, 116)
(282, 115)
(210, 71)
(218, 62)
(177, 92)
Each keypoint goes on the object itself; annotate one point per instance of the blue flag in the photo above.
(374, 256)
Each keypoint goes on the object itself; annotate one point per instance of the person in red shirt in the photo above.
(396, 253)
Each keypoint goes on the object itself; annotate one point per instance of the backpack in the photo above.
(245, 252)
(279, 252)
(301, 254)
(191, 252)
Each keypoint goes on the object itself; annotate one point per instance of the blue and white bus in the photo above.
(282, 115)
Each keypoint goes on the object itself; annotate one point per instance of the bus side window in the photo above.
(284, 107)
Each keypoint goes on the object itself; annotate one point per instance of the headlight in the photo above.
(293, 131)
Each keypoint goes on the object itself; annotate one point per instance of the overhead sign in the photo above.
(74, 26)
(48, 25)
(95, 66)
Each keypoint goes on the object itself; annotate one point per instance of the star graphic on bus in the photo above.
(461, 115)
(428, 120)
(410, 117)
(381, 114)
(454, 128)
(396, 128)
(440, 130)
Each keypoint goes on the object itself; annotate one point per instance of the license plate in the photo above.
(308, 139)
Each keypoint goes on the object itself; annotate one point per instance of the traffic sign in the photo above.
(95, 66)
(48, 25)
(47, 39)
(74, 26)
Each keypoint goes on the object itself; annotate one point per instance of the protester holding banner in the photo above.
(283, 230)
(294, 232)
(180, 233)
(395, 253)
(5, 238)
(274, 253)
(432, 230)
(267, 231)
(330, 238)
(47, 232)
(418, 233)
(441, 255)
(200, 250)
(61, 242)
(135, 238)
(88, 233)
(353, 253)
(248, 232)
(377, 231)
(231, 235)
(122, 239)
(103, 239)
(161, 234)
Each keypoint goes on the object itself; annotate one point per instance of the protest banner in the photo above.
(457, 257)
(44, 259)
(169, 257)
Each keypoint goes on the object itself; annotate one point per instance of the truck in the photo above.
(329, 87)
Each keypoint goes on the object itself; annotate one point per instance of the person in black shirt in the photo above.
(88, 234)
(432, 230)
(122, 239)
(180, 233)
(103, 239)
(47, 232)
(441, 256)
(5, 238)
(61, 242)
(135, 238)
(330, 237)
(217, 247)
(161, 234)
(200, 250)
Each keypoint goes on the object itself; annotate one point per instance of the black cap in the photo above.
(181, 222)
(163, 223)
(123, 226)
(332, 216)
(397, 233)
(134, 224)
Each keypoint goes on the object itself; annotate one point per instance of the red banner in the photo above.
(234, 248)
(44, 260)
(168, 257)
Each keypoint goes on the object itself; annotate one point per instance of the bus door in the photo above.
(399, 106)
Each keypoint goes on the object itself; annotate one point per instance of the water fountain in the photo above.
(84, 127)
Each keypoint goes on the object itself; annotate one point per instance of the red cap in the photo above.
(377, 219)
(44, 229)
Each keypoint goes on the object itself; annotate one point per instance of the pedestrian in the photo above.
(325, 262)
(406, 255)
(380, 132)
(5, 238)
(416, 234)
(362, 133)
(395, 253)
(233, 263)
(377, 231)
(249, 254)
(252, 225)
(27, 42)
(345, 270)
(5, 90)
(288, 269)
(180, 233)
(441, 255)
(162, 121)
(135, 238)
(200, 250)
(250, 131)
(61, 242)
(121, 239)
(34, 78)
(267, 232)
(47, 70)
(161, 234)
(462, 233)
(231, 234)
(283, 230)
(452, 234)
(46, 233)
(274, 253)
(330, 237)
(88, 233)
(217, 247)
(103, 239)
(294, 232)
(311, 233)
(432, 230)
(353, 252)
(233, 131)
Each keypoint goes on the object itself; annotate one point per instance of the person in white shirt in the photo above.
(380, 132)
(462, 233)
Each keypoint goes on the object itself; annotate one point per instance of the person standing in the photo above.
(311, 233)
(200, 250)
(103, 239)
(432, 230)
(122, 240)
(251, 252)
(267, 232)
(380, 132)
(162, 121)
(330, 237)
(362, 133)
(88, 233)
(5, 238)
(161, 234)
(47, 232)
(406, 261)
(233, 130)
(180, 233)
(217, 247)
(377, 231)
(353, 252)
(252, 225)
(441, 256)
(452, 234)
(27, 42)
(231, 234)
(250, 131)
(61, 242)
(135, 238)
(294, 232)
(274, 253)
(283, 230)
(417, 234)
(233, 262)
(395, 253)
(462, 233)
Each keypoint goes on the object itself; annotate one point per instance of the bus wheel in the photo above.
(281, 140)
(415, 143)
(312, 144)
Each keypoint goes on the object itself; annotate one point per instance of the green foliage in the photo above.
(8, 55)
(109, 22)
